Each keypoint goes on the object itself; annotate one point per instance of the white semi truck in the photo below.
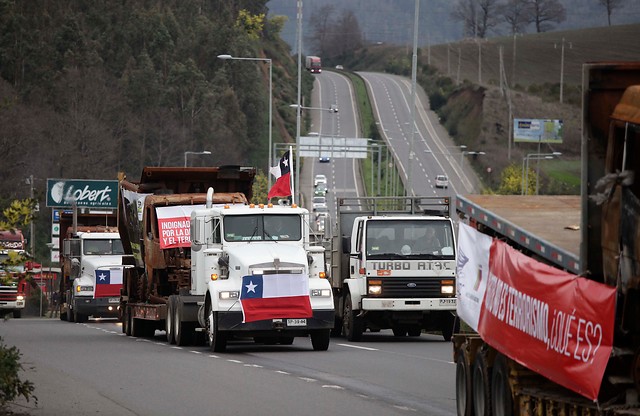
(212, 267)
(393, 266)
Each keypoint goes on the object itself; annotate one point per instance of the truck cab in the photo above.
(231, 244)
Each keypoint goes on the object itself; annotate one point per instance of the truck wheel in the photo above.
(182, 331)
(217, 340)
(171, 310)
(70, 315)
(320, 339)
(501, 400)
(63, 313)
(399, 331)
(81, 318)
(481, 386)
(126, 321)
(414, 332)
(17, 313)
(463, 384)
(352, 325)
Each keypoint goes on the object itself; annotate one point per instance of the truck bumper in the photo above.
(12, 305)
(98, 307)
(408, 304)
(232, 321)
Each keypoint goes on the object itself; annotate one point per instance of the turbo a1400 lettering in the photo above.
(411, 265)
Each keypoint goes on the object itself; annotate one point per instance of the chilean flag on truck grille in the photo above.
(108, 282)
(275, 296)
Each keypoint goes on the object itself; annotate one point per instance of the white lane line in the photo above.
(308, 380)
(235, 361)
(195, 352)
(359, 347)
(332, 386)
(282, 372)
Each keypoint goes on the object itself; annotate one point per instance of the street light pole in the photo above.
(270, 62)
(414, 64)
(204, 152)
(525, 169)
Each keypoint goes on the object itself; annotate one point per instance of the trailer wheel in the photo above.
(481, 386)
(182, 331)
(501, 400)
(171, 310)
(126, 321)
(399, 331)
(217, 340)
(464, 395)
(352, 325)
(320, 339)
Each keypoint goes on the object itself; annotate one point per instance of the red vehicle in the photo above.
(12, 283)
(313, 64)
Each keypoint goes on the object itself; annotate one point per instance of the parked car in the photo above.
(319, 179)
(442, 181)
(321, 190)
(319, 202)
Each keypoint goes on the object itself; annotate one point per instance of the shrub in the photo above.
(11, 386)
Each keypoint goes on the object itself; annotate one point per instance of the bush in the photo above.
(11, 386)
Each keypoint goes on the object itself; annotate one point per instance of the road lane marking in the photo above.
(359, 347)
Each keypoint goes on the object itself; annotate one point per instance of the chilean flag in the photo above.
(275, 296)
(108, 282)
(282, 172)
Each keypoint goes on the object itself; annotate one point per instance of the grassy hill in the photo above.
(475, 112)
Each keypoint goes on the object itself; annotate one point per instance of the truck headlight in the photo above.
(229, 295)
(375, 287)
(84, 288)
(447, 287)
(321, 293)
(20, 297)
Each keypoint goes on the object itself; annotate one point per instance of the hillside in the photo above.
(476, 113)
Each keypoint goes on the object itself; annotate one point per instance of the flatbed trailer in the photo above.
(545, 225)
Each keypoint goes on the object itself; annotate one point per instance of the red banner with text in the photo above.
(555, 323)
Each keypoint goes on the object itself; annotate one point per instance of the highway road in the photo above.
(92, 368)
(333, 88)
(434, 151)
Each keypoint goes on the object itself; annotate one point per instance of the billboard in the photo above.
(61, 193)
(535, 130)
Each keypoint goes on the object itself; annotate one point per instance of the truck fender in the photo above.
(353, 287)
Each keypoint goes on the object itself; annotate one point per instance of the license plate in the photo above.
(447, 301)
(296, 322)
(114, 300)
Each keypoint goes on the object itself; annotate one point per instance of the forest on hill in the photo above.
(91, 88)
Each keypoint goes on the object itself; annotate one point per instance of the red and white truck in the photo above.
(549, 286)
(12, 276)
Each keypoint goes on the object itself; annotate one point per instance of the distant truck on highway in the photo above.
(393, 265)
(550, 285)
(91, 265)
(210, 267)
(313, 64)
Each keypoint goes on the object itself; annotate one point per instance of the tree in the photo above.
(546, 11)
(610, 6)
(346, 36)
(518, 14)
(478, 17)
(321, 26)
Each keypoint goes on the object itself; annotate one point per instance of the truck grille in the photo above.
(8, 295)
(410, 287)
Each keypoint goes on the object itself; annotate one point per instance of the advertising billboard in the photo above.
(534, 130)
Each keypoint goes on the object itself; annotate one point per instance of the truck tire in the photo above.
(126, 320)
(399, 331)
(450, 325)
(63, 312)
(501, 399)
(414, 332)
(81, 318)
(169, 322)
(17, 313)
(481, 385)
(320, 339)
(70, 315)
(352, 324)
(217, 339)
(464, 397)
(182, 331)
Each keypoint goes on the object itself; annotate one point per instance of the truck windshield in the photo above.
(102, 246)
(419, 239)
(267, 227)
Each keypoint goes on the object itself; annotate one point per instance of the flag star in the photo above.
(285, 161)
(251, 287)
(103, 276)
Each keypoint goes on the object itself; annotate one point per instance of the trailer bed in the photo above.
(548, 225)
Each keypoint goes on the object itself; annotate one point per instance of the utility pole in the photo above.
(414, 64)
